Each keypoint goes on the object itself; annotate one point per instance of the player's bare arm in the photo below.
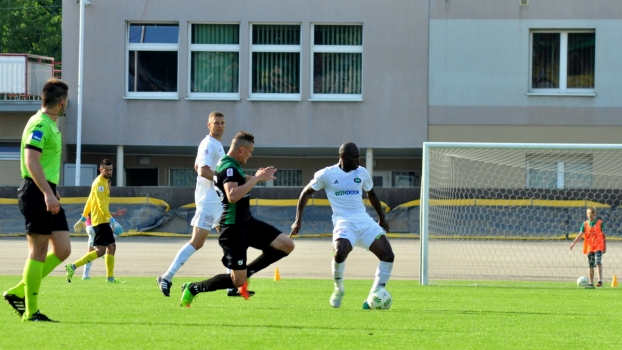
(576, 240)
(300, 208)
(375, 202)
(234, 192)
(205, 172)
(33, 163)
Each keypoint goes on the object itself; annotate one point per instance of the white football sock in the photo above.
(338, 270)
(180, 259)
(383, 274)
(87, 269)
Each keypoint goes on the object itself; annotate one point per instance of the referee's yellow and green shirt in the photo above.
(42, 134)
(100, 201)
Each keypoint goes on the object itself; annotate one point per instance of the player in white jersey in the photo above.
(344, 184)
(209, 209)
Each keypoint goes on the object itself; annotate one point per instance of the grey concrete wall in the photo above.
(394, 76)
(480, 66)
(526, 133)
(537, 9)
(13, 124)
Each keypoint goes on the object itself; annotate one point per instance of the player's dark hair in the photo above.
(53, 92)
(243, 135)
(105, 162)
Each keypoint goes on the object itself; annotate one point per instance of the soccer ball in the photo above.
(582, 281)
(380, 299)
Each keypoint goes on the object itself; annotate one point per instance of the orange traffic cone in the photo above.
(614, 282)
(277, 275)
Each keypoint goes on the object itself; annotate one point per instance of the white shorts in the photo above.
(360, 233)
(207, 216)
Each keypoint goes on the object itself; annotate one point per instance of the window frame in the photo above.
(273, 48)
(222, 96)
(149, 47)
(335, 49)
(563, 64)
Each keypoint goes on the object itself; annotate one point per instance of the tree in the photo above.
(31, 26)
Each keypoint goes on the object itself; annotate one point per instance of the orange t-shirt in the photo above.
(594, 239)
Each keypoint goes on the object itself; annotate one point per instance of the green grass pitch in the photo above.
(295, 314)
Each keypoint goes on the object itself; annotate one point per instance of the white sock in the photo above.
(87, 269)
(383, 274)
(338, 270)
(180, 259)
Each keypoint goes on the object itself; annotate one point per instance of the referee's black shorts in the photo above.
(235, 240)
(32, 205)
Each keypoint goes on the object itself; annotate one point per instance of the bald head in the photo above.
(348, 148)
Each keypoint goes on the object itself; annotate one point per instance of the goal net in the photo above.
(511, 211)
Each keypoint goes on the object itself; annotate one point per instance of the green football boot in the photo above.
(186, 295)
(70, 270)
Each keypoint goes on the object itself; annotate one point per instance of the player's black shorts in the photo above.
(235, 240)
(594, 258)
(32, 205)
(103, 234)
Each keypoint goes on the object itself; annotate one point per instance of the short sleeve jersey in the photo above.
(100, 201)
(42, 134)
(344, 191)
(229, 170)
(592, 223)
(209, 153)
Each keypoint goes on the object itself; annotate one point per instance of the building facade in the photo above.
(304, 77)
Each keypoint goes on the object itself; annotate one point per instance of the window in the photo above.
(215, 61)
(182, 177)
(337, 61)
(284, 178)
(9, 150)
(275, 62)
(152, 60)
(563, 62)
(397, 178)
(558, 172)
(288, 178)
(259, 184)
(405, 178)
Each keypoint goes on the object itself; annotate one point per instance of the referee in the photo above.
(39, 201)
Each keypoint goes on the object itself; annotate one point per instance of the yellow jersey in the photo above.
(99, 201)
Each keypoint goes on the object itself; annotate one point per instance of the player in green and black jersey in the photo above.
(238, 228)
(229, 170)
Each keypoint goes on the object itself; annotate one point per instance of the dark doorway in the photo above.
(141, 177)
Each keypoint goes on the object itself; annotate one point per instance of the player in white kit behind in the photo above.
(208, 205)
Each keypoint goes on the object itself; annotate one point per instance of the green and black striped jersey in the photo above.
(229, 170)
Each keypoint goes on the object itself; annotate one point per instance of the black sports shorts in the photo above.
(235, 240)
(103, 235)
(32, 205)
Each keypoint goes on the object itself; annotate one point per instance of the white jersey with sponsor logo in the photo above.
(209, 153)
(344, 191)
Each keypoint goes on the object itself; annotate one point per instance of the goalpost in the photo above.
(503, 211)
